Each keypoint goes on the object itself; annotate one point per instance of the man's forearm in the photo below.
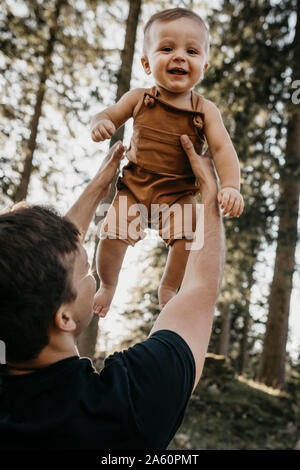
(205, 266)
(83, 210)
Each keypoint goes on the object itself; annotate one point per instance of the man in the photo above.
(52, 399)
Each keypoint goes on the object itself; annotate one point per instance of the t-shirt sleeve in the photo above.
(160, 378)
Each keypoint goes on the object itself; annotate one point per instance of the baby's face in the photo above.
(176, 54)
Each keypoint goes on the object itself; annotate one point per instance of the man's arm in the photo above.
(190, 312)
(83, 210)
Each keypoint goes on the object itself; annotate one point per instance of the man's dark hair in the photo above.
(37, 253)
(170, 15)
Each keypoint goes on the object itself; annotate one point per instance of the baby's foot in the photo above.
(103, 299)
(164, 295)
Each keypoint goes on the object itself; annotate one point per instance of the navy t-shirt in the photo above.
(136, 402)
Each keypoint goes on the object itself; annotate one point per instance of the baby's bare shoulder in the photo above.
(129, 101)
(132, 97)
(209, 106)
(206, 106)
(135, 94)
(210, 110)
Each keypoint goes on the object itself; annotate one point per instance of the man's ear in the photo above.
(146, 65)
(63, 319)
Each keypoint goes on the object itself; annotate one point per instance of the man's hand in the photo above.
(202, 166)
(83, 210)
(103, 130)
(231, 200)
(109, 167)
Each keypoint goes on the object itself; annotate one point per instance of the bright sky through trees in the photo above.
(88, 158)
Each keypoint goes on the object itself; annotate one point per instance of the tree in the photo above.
(247, 80)
(144, 307)
(87, 340)
(22, 189)
(60, 47)
(49, 52)
(272, 371)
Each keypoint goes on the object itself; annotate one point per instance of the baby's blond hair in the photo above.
(171, 15)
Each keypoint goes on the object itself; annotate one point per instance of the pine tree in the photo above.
(250, 41)
(272, 371)
(49, 52)
(22, 189)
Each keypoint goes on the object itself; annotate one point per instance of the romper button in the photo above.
(149, 101)
(198, 121)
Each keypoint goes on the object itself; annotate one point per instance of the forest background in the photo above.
(63, 61)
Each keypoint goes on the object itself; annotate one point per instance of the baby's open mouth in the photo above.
(178, 71)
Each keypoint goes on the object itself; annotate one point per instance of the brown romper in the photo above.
(158, 182)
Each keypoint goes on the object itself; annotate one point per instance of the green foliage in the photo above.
(225, 413)
(248, 79)
(72, 85)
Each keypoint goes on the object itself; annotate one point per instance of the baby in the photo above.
(176, 51)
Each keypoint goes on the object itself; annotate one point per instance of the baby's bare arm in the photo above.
(221, 147)
(225, 159)
(105, 123)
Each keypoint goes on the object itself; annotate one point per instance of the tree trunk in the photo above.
(272, 370)
(22, 189)
(247, 320)
(225, 333)
(88, 338)
(244, 345)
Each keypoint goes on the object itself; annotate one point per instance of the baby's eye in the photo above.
(166, 49)
(192, 51)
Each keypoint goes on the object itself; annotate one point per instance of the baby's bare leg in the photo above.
(174, 272)
(110, 255)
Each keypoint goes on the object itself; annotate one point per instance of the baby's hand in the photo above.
(104, 129)
(230, 199)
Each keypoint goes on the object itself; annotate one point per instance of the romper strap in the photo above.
(149, 101)
(149, 97)
(139, 104)
(198, 117)
(197, 102)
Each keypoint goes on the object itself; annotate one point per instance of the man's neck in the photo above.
(55, 351)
